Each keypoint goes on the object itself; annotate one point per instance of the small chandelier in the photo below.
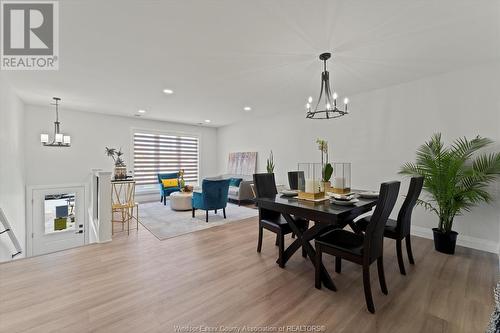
(327, 107)
(59, 140)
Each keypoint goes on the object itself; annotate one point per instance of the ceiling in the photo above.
(218, 56)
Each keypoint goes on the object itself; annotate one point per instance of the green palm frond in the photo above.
(455, 179)
(465, 148)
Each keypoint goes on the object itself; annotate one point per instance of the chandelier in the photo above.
(59, 139)
(326, 107)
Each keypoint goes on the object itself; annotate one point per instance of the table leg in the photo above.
(303, 239)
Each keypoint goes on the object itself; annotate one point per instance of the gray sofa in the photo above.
(241, 193)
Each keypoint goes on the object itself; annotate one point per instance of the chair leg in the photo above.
(408, 249)
(281, 250)
(161, 200)
(317, 270)
(128, 222)
(224, 212)
(259, 243)
(164, 200)
(277, 242)
(368, 289)
(381, 275)
(293, 234)
(338, 264)
(304, 252)
(206, 215)
(399, 254)
(193, 212)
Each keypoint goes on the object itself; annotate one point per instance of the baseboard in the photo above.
(466, 241)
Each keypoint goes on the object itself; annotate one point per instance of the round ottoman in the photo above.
(181, 201)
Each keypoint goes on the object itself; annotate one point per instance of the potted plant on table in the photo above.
(326, 167)
(120, 167)
(182, 183)
(455, 180)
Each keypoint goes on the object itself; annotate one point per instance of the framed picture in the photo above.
(242, 163)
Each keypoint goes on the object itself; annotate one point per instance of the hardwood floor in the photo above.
(215, 277)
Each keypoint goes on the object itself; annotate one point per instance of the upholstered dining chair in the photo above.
(296, 180)
(265, 187)
(400, 229)
(213, 196)
(361, 249)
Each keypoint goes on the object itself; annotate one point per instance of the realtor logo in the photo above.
(30, 35)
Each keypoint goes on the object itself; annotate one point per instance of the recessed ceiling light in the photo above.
(247, 108)
(207, 120)
(142, 111)
(168, 91)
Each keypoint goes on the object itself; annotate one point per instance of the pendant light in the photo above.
(59, 139)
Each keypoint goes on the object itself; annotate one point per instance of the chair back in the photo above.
(265, 187)
(296, 180)
(171, 175)
(215, 193)
(374, 235)
(404, 216)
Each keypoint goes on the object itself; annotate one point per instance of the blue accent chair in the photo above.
(212, 197)
(166, 191)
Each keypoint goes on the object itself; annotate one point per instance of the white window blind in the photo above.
(164, 153)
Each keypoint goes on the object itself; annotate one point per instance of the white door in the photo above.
(58, 219)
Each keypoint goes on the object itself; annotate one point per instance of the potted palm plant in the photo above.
(455, 180)
(120, 167)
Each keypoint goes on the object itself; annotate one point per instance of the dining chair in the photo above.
(265, 187)
(358, 248)
(400, 229)
(296, 180)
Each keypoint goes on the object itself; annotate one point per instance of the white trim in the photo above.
(462, 240)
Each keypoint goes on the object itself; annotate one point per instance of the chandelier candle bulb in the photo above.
(59, 137)
(66, 139)
(44, 138)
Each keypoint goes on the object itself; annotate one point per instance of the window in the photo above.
(164, 153)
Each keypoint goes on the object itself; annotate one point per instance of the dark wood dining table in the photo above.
(326, 215)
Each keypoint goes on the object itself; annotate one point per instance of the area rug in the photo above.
(165, 223)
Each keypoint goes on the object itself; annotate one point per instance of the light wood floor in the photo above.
(215, 277)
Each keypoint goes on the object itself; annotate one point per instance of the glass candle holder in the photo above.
(341, 178)
(310, 187)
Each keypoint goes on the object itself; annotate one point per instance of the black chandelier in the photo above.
(327, 107)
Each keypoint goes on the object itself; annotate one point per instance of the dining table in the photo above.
(325, 215)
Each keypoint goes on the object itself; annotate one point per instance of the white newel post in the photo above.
(100, 207)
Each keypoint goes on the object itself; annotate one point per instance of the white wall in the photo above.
(90, 133)
(12, 189)
(382, 132)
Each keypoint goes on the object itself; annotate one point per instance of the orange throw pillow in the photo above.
(170, 182)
